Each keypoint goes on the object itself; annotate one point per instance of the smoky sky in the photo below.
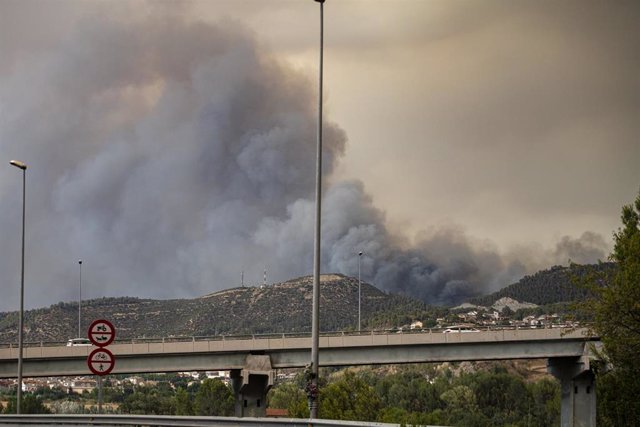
(171, 154)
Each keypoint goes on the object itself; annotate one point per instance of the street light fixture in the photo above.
(22, 166)
(315, 312)
(359, 290)
(80, 300)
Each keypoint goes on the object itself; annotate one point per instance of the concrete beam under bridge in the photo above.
(250, 386)
(577, 390)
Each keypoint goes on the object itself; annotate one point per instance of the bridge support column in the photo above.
(250, 386)
(578, 390)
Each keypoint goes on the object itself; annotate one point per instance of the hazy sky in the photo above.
(170, 144)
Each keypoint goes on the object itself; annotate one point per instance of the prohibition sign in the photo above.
(101, 361)
(101, 333)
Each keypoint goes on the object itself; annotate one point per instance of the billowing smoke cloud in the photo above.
(170, 155)
(583, 250)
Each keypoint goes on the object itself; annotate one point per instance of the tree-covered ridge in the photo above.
(277, 308)
(555, 285)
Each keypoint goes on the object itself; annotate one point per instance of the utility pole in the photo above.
(312, 392)
(80, 302)
(23, 167)
(359, 291)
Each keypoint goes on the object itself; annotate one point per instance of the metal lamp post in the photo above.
(22, 166)
(359, 290)
(315, 313)
(80, 300)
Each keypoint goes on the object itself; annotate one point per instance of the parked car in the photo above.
(451, 329)
(78, 342)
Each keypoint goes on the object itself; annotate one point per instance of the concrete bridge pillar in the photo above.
(251, 384)
(578, 390)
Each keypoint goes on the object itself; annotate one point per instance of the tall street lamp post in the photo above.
(315, 314)
(359, 290)
(80, 300)
(22, 166)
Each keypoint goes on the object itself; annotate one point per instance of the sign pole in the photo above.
(99, 394)
(101, 361)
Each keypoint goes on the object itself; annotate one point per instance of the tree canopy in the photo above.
(426, 395)
(616, 313)
(214, 398)
(29, 404)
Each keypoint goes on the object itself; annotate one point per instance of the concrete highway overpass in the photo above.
(253, 359)
(293, 351)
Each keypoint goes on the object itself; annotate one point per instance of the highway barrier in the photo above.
(166, 420)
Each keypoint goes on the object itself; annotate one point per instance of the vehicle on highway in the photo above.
(78, 342)
(459, 328)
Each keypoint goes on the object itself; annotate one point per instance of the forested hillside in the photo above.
(557, 284)
(276, 308)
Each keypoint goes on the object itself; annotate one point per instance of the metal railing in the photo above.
(285, 335)
(167, 420)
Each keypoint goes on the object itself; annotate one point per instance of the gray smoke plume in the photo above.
(170, 155)
(583, 250)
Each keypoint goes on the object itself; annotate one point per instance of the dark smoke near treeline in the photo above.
(171, 155)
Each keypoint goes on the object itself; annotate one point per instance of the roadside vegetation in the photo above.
(614, 310)
(495, 394)
(427, 394)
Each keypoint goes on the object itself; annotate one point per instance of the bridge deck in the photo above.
(287, 351)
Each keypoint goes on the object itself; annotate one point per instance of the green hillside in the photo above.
(278, 308)
(555, 285)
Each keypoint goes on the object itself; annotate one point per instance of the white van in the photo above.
(460, 328)
(78, 342)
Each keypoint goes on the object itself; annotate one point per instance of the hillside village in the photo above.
(492, 320)
(87, 384)
(504, 313)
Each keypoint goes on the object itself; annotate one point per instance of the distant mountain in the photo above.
(276, 308)
(555, 285)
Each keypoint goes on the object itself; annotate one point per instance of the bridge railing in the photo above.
(285, 335)
(166, 420)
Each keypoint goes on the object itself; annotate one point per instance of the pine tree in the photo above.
(616, 309)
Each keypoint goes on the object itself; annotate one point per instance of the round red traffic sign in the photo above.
(101, 333)
(101, 361)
